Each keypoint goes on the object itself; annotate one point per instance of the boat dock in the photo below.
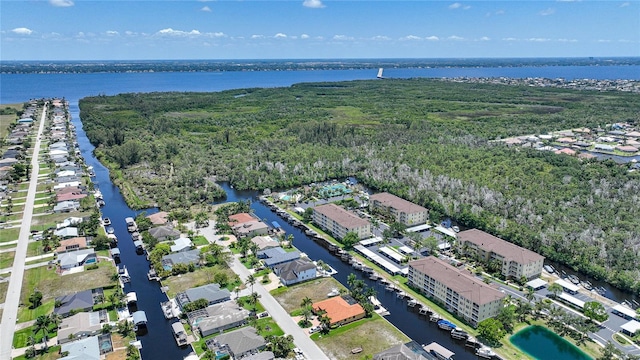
(378, 308)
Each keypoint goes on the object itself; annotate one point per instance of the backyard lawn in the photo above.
(291, 297)
(200, 277)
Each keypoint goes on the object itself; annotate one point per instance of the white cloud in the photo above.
(206, 9)
(485, 38)
(604, 41)
(567, 40)
(304, 36)
(538, 39)
(432, 38)
(455, 6)
(411, 37)
(381, 38)
(61, 3)
(342, 37)
(172, 32)
(314, 4)
(112, 33)
(510, 39)
(257, 36)
(547, 12)
(280, 36)
(455, 37)
(625, 4)
(217, 34)
(22, 31)
(499, 12)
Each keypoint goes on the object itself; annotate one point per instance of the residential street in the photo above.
(12, 301)
(300, 338)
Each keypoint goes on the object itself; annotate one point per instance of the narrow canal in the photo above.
(158, 341)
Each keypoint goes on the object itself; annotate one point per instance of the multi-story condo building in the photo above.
(403, 211)
(339, 221)
(460, 293)
(516, 262)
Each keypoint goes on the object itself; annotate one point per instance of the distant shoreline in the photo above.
(142, 66)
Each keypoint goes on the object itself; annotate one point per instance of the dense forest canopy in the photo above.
(429, 141)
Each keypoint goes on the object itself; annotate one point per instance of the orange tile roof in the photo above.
(68, 244)
(159, 218)
(338, 309)
(240, 219)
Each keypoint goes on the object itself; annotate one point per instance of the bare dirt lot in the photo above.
(316, 290)
(373, 336)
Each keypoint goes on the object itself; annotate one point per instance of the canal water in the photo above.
(542, 343)
(158, 341)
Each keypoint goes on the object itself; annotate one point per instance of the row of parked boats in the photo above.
(575, 280)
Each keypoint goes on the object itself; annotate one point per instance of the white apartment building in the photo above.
(460, 293)
(517, 262)
(338, 221)
(403, 211)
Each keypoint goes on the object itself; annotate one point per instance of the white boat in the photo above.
(485, 352)
(412, 303)
(380, 70)
(455, 229)
(334, 292)
(459, 334)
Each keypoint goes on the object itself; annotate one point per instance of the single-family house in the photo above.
(340, 309)
(60, 186)
(159, 218)
(210, 292)
(66, 206)
(67, 232)
(72, 259)
(276, 256)
(64, 173)
(296, 271)
(71, 303)
(162, 233)
(627, 149)
(251, 228)
(183, 257)
(408, 351)
(241, 218)
(239, 343)
(72, 244)
(218, 317)
(264, 242)
(181, 244)
(80, 325)
(70, 221)
(85, 349)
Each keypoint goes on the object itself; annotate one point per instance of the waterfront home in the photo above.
(81, 325)
(295, 271)
(276, 256)
(159, 218)
(60, 186)
(85, 349)
(263, 355)
(72, 259)
(212, 293)
(162, 233)
(250, 228)
(339, 222)
(403, 211)
(238, 343)
(70, 221)
(408, 351)
(218, 317)
(340, 309)
(72, 244)
(240, 218)
(181, 244)
(264, 242)
(515, 262)
(66, 206)
(67, 232)
(70, 196)
(183, 257)
(72, 303)
(460, 292)
(9, 161)
(627, 149)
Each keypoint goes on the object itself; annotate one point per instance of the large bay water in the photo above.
(158, 343)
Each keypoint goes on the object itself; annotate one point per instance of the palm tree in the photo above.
(254, 300)
(251, 280)
(530, 294)
(555, 289)
(237, 291)
(42, 324)
(306, 302)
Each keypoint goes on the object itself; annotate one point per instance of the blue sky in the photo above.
(303, 29)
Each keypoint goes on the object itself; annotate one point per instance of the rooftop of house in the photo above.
(488, 242)
(465, 284)
(74, 243)
(240, 218)
(242, 340)
(291, 269)
(277, 255)
(402, 205)
(159, 218)
(70, 302)
(338, 309)
(209, 292)
(85, 349)
(343, 217)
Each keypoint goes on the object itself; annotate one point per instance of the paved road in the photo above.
(281, 317)
(12, 301)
